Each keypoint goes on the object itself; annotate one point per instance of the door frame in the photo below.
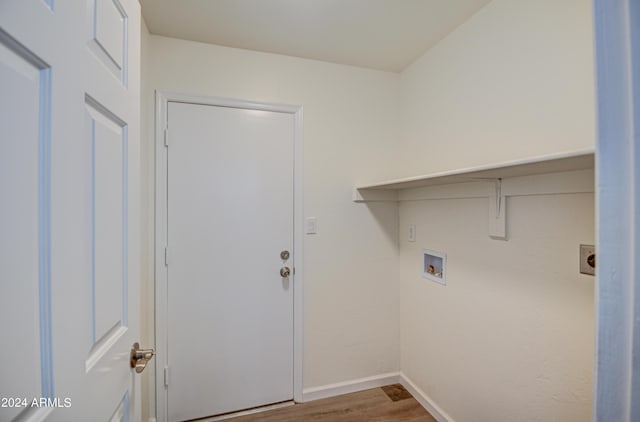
(617, 59)
(162, 101)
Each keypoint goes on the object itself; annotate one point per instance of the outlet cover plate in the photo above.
(585, 252)
(412, 233)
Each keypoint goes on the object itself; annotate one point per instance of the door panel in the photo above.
(108, 141)
(68, 179)
(108, 36)
(230, 214)
(24, 290)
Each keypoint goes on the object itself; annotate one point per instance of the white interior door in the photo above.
(69, 119)
(230, 215)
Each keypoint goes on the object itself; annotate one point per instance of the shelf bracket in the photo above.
(497, 211)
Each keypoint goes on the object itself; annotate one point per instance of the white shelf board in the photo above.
(554, 163)
(493, 175)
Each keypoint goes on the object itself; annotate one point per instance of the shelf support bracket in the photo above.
(497, 211)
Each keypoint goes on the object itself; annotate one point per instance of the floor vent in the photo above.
(396, 392)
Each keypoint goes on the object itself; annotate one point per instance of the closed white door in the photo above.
(230, 216)
(69, 81)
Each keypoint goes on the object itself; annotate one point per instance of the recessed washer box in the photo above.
(434, 266)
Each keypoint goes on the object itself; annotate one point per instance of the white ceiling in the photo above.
(379, 34)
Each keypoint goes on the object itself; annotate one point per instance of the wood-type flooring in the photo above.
(392, 403)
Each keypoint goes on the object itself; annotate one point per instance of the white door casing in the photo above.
(196, 301)
(69, 165)
(617, 363)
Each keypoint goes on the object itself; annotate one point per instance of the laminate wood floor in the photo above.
(387, 404)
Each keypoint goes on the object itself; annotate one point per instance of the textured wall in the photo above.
(514, 81)
(511, 335)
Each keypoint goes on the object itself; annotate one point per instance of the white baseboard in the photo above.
(381, 380)
(352, 386)
(152, 419)
(424, 400)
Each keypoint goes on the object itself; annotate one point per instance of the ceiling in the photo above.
(379, 34)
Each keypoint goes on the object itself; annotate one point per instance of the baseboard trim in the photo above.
(352, 386)
(424, 400)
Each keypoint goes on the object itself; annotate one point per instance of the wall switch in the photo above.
(311, 225)
(588, 259)
(412, 233)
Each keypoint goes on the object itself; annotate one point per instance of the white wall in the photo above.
(511, 335)
(350, 129)
(514, 81)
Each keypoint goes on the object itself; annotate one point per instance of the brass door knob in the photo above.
(285, 272)
(140, 357)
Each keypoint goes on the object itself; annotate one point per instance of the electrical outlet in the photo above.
(588, 259)
(412, 233)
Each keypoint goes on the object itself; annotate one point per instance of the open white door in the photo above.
(69, 165)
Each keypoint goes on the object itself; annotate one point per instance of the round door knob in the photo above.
(285, 271)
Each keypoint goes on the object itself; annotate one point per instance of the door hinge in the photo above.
(166, 257)
(166, 376)
(166, 137)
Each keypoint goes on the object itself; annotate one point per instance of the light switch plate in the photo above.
(588, 259)
(311, 226)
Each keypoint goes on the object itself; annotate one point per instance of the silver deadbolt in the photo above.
(140, 357)
(285, 272)
(284, 255)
